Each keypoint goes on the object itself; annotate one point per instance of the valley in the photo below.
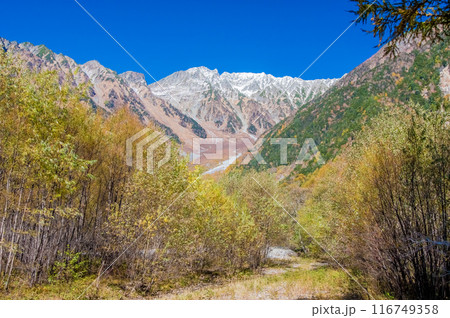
(230, 185)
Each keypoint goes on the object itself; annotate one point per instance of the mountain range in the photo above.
(196, 103)
(200, 103)
(237, 102)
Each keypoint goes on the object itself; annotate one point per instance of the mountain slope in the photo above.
(419, 74)
(108, 90)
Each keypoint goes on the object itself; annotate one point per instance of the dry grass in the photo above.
(300, 279)
(107, 289)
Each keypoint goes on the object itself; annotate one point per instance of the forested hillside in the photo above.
(381, 207)
(380, 83)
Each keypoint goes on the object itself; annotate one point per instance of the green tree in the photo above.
(393, 21)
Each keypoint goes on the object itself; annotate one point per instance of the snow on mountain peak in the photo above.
(207, 95)
(134, 77)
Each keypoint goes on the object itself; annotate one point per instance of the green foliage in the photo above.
(333, 119)
(252, 129)
(109, 104)
(44, 52)
(393, 21)
(70, 268)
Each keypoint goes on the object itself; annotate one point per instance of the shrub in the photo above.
(382, 207)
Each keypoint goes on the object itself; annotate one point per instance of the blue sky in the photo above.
(276, 37)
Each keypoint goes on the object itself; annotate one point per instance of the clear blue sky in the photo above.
(276, 37)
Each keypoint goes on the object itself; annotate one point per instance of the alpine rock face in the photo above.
(237, 102)
(196, 103)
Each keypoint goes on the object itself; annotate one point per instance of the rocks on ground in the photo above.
(280, 253)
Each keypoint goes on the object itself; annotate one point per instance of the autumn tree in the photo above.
(382, 206)
(70, 206)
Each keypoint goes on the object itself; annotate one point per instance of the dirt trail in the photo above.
(296, 279)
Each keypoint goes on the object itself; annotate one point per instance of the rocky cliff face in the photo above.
(444, 83)
(245, 102)
(195, 103)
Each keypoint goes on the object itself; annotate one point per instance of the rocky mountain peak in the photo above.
(134, 78)
(232, 101)
(202, 71)
(93, 68)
